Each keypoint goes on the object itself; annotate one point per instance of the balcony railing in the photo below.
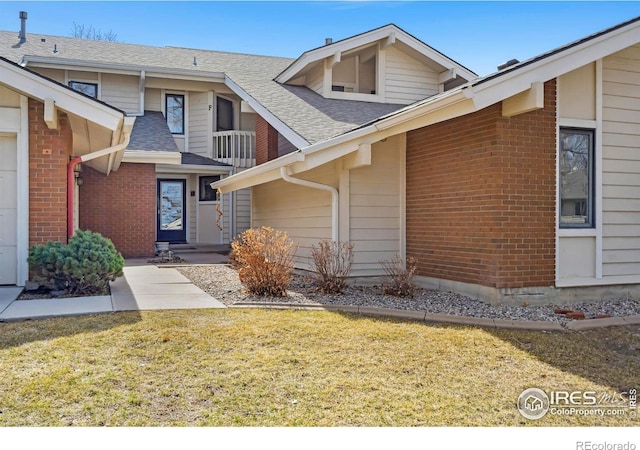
(237, 148)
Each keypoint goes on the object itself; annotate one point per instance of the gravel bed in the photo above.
(222, 283)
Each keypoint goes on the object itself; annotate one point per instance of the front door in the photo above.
(172, 214)
(8, 209)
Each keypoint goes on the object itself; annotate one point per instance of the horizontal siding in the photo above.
(304, 213)
(54, 74)
(121, 91)
(621, 163)
(199, 123)
(152, 100)
(243, 210)
(315, 79)
(407, 80)
(374, 209)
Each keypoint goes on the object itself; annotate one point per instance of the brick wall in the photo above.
(122, 207)
(266, 141)
(481, 197)
(49, 152)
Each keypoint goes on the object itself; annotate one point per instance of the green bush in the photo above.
(83, 267)
(264, 260)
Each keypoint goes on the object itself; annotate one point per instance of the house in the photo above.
(517, 186)
(195, 117)
(520, 186)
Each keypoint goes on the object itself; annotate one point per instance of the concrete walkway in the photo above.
(143, 287)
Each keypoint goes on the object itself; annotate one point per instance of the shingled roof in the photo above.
(311, 116)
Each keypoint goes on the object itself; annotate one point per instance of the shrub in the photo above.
(331, 262)
(399, 277)
(264, 260)
(83, 267)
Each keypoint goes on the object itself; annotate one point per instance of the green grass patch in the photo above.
(296, 368)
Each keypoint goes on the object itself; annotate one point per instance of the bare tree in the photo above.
(89, 32)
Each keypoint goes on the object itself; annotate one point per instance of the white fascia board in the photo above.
(389, 32)
(290, 135)
(121, 69)
(552, 66)
(193, 168)
(303, 160)
(259, 174)
(437, 103)
(331, 49)
(40, 88)
(152, 157)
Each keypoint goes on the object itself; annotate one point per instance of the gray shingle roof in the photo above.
(150, 132)
(197, 160)
(311, 116)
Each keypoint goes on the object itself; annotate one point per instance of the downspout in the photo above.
(70, 177)
(335, 199)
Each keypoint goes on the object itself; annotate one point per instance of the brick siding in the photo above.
(266, 141)
(481, 197)
(49, 152)
(122, 207)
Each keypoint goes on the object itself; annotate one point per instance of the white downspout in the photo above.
(335, 199)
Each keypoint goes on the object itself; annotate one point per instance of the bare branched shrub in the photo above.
(399, 277)
(331, 262)
(264, 260)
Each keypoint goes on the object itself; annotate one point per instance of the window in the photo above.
(175, 112)
(90, 89)
(576, 178)
(207, 194)
(224, 120)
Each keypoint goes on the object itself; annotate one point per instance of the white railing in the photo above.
(237, 148)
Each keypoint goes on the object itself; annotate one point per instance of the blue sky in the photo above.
(479, 35)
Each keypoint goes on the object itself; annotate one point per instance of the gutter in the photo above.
(70, 178)
(335, 199)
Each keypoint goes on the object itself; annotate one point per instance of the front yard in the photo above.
(297, 368)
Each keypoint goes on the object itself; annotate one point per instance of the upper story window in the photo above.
(174, 107)
(224, 115)
(576, 178)
(90, 89)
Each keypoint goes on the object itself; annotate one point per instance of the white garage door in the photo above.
(8, 201)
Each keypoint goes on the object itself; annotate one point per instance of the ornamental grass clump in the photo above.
(84, 266)
(399, 276)
(331, 262)
(264, 260)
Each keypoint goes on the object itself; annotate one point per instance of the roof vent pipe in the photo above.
(328, 41)
(509, 63)
(23, 27)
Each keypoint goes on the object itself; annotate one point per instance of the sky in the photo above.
(479, 35)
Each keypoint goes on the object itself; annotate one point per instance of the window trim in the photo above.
(590, 222)
(203, 182)
(88, 83)
(167, 95)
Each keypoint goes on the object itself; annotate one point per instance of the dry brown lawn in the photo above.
(296, 368)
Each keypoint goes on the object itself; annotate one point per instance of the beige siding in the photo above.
(192, 217)
(226, 223)
(304, 213)
(9, 98)
(314, 79)
(407, 80)
(200, 123)
(577, 93)
(374, 208)
(54, 74)
(621, 163)
(243, 210)
(152, 100)
(121, 91)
